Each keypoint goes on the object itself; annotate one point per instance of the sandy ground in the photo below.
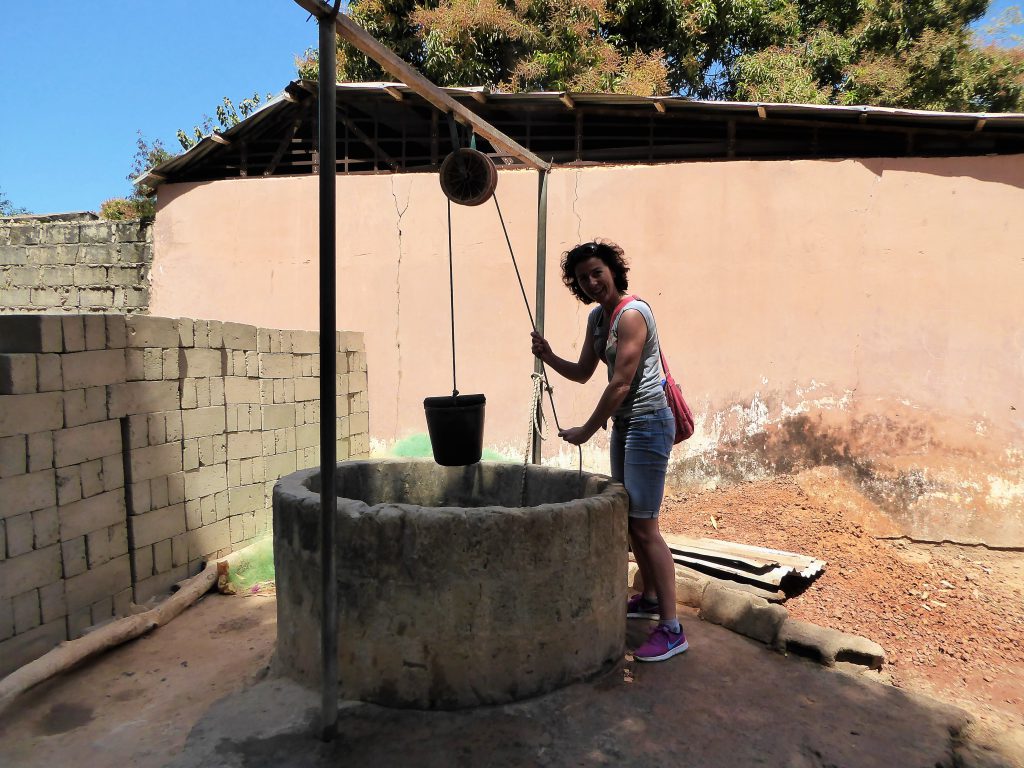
(950, 618)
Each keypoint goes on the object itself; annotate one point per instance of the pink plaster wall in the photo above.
(859, 313)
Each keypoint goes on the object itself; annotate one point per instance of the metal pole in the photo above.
(542, 251)
(328, 378)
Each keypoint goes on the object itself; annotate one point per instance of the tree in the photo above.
(227, 116)
(7, 208)
(906, 53)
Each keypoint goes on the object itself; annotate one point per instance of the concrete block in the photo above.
(148, 331)
(236, 529)
(73, 331)
(243, 445)
(152, 364)
(157, 525)
(6, 619)
(29, 571)
(155, 461)
(19, 534)
(13, 456)
(23, 648)
(52, 602)
(27, 493)
(139, 497)
(351, 341)
(305, 342)
(98, 583)
(212, 450)
(95, 368)
(179, 550)
(190, 454)
(102, 610)
(112, 472)
(172, 363)
(142, 562)
(239, 336)
(26, 611)
(176, 488)
(205, 481)
(48, 370)
(263, 339)
(248, 498)
(357, 381)
(235, 473)
(91, 477)
(208, 509)
(359, 423)
(30, 333)
(78, 622)
(280, 465)
(135, 364)
(142, 397)
(85, 406)
(117, 331)
(173, 426)
(745, 614)
(45, 528)
(220, 504)
(186, 329)
(73, 557)
(278, 416)
(202, 392)
(193, 515)
(158, 492)
(95, 332)
(200, 333)
(202, 422)
(40, 451)
(208, 539)
(216, 334)
(162, 556)
(160, 584)
(252, 365)
(88, 515)
(275, 365)
(123, 602)
(69, 484)
(200, 363)
(156, 427)
(217, 391)
(241, 390)
(25, 414)
(306, 389)
(106, 544)
(18, 375)
(87, 442)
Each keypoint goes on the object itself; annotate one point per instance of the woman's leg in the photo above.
(650, 547)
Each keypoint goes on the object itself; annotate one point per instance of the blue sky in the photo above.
(84, 77)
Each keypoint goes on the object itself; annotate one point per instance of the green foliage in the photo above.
(121, 208)
(228, 115)
(905, 53)
(7, 208)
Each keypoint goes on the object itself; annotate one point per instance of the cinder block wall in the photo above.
(75, 263)
(134, 448)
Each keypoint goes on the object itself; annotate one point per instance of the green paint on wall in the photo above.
(418, 447)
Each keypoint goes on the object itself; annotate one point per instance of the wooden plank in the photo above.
(358, 37)
(286, 142)
(369, 142)
(799, 563)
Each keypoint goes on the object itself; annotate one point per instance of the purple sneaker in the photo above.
(661, 644)
(638, 608)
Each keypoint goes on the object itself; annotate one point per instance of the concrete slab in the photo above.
(729, 701)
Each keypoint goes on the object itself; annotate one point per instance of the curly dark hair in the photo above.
(605, 250)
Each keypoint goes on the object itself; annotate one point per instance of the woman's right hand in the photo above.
(540, 346)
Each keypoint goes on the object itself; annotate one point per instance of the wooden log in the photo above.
(72, 652)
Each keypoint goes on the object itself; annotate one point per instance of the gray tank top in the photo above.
(647, 392)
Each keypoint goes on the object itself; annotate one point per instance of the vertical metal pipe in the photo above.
(328, 378)
(542, 260)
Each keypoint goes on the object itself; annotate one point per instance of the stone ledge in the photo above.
(756, 618)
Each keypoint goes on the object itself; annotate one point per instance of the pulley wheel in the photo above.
(468, 177)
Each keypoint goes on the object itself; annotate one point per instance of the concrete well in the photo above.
(452, 593)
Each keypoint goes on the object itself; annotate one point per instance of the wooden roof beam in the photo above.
(362, 40)
(393, 92)
(566, 99)
(660, 106)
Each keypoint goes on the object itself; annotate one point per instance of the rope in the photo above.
(451, 294)
(537, 397)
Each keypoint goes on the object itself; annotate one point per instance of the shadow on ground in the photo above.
(727, 702)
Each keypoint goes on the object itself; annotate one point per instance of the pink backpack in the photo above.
(680, 410)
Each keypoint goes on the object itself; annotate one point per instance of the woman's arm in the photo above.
(632, 331)
(580, 371)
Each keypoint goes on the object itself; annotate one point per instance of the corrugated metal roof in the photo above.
(770, 129)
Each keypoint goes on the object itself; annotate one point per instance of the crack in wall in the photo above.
(400, 212)
(576, 213)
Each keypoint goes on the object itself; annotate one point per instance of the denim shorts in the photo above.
(640, 447)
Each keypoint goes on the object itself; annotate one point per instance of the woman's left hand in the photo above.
(576, 435)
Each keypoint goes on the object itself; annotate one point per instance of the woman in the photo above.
(643, 427)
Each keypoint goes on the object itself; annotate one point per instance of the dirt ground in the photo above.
(950, 618)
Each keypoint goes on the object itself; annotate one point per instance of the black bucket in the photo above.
(456, 427)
